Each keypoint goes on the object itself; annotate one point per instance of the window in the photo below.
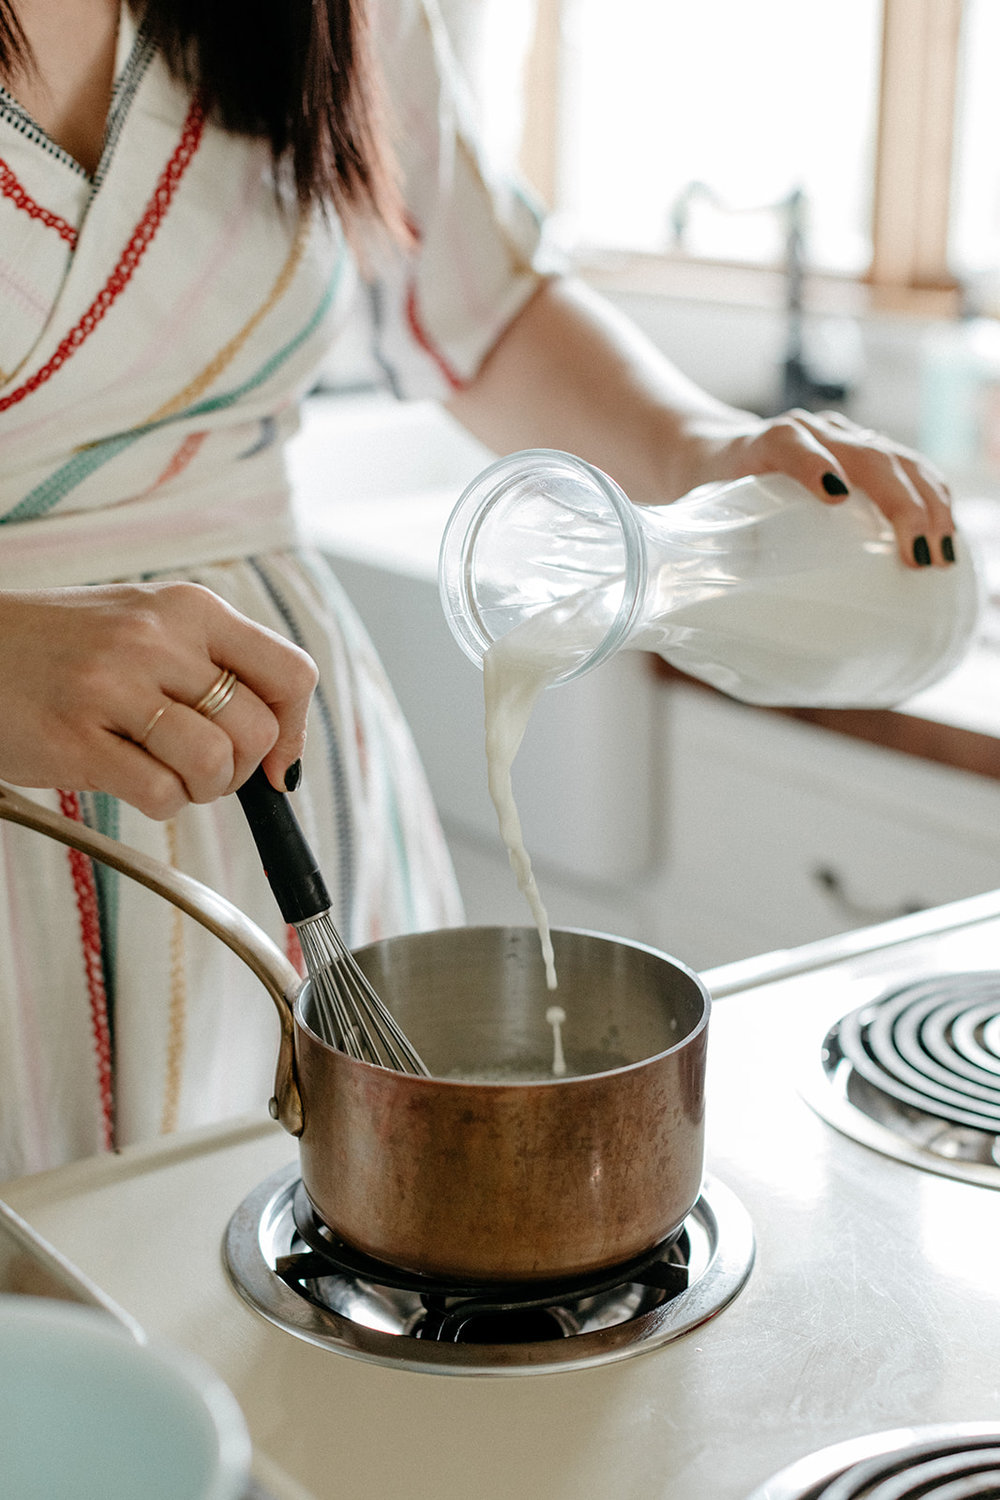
(883, 113)
(700, 118)
(975, 218)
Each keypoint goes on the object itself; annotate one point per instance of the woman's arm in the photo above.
(99, 688)
(569, 372)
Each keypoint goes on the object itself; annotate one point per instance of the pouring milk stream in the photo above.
(755, 586)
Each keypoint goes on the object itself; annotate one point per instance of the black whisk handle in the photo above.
(288, 861)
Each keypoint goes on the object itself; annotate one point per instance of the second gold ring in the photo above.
(218, 695)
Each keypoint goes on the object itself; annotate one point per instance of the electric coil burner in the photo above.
(290, 1267)
(955, 1462)
(915, 1074)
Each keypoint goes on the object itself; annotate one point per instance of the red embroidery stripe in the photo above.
(12, 189)
(142, 238)
(424, 340)
(85, 887)
(180, 460)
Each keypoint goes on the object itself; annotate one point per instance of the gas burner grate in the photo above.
(916, 1074)
(459, 1312)
(288, 1266)
(961, 1462)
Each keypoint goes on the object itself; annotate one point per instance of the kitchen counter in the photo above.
(380, 521)
(403, 467)
(956, 722)
(872, 1304)
(824, 825)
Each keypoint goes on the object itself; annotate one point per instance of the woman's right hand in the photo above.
(98, 687)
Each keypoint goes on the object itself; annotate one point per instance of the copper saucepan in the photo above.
(492, 1169)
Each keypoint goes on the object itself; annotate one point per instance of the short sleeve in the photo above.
(481, 247)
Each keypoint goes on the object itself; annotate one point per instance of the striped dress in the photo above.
(160, 323)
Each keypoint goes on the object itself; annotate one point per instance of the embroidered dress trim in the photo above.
(85, 888)
(124, 91)
(220, 361)
(420, 334)
(122, 94)
(11, 188)
(142, 237)
(21, 121)
(86, 461)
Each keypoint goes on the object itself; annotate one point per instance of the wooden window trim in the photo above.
(913, 166)
(909, 271)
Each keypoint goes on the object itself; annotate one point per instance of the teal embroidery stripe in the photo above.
(108, 821)
(47, 495)
(101, 811)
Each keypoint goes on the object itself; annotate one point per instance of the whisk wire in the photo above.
(349, 1012)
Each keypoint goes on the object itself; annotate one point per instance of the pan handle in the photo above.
(213, 911)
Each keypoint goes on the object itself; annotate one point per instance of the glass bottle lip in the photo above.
(480, 498)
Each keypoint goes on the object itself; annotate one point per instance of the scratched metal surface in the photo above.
(873, 1304)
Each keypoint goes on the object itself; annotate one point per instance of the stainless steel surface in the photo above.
(909, 1462)
(498, 1180)
(873, 1303)
(371, 1321)
(768, 968)
(32, 1268)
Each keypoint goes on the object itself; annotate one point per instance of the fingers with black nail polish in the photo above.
(921, 552)
(948, 548)
(833, 484)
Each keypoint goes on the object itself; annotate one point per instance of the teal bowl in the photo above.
(88, 1412)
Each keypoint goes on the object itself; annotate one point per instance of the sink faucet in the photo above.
(799, 385)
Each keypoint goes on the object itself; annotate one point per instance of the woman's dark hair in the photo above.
(297, 73)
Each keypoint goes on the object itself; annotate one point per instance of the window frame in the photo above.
(911, 188)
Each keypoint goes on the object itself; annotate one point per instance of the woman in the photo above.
(187, 193)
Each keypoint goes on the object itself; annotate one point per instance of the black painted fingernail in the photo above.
(293, 775)
(834, 485)
(921, 552)
(948, 548)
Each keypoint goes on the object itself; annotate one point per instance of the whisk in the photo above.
(347, 1012)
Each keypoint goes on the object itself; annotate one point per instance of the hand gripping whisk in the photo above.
(347, 1012)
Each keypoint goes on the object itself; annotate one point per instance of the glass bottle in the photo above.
(755, 585)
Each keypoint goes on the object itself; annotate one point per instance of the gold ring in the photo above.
(144, 736)
(218, 695)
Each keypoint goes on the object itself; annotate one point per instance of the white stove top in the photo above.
(874, 1302)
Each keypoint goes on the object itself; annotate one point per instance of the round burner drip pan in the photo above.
(915, 1075)
(360, 1316)
(947, 1460)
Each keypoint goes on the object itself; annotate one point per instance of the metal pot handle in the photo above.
(213, 911)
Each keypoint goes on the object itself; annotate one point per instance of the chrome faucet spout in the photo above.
(799, 384)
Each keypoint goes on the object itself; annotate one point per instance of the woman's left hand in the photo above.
(570, 372)
(831, 456)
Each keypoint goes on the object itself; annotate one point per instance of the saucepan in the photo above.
(493, 1169)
